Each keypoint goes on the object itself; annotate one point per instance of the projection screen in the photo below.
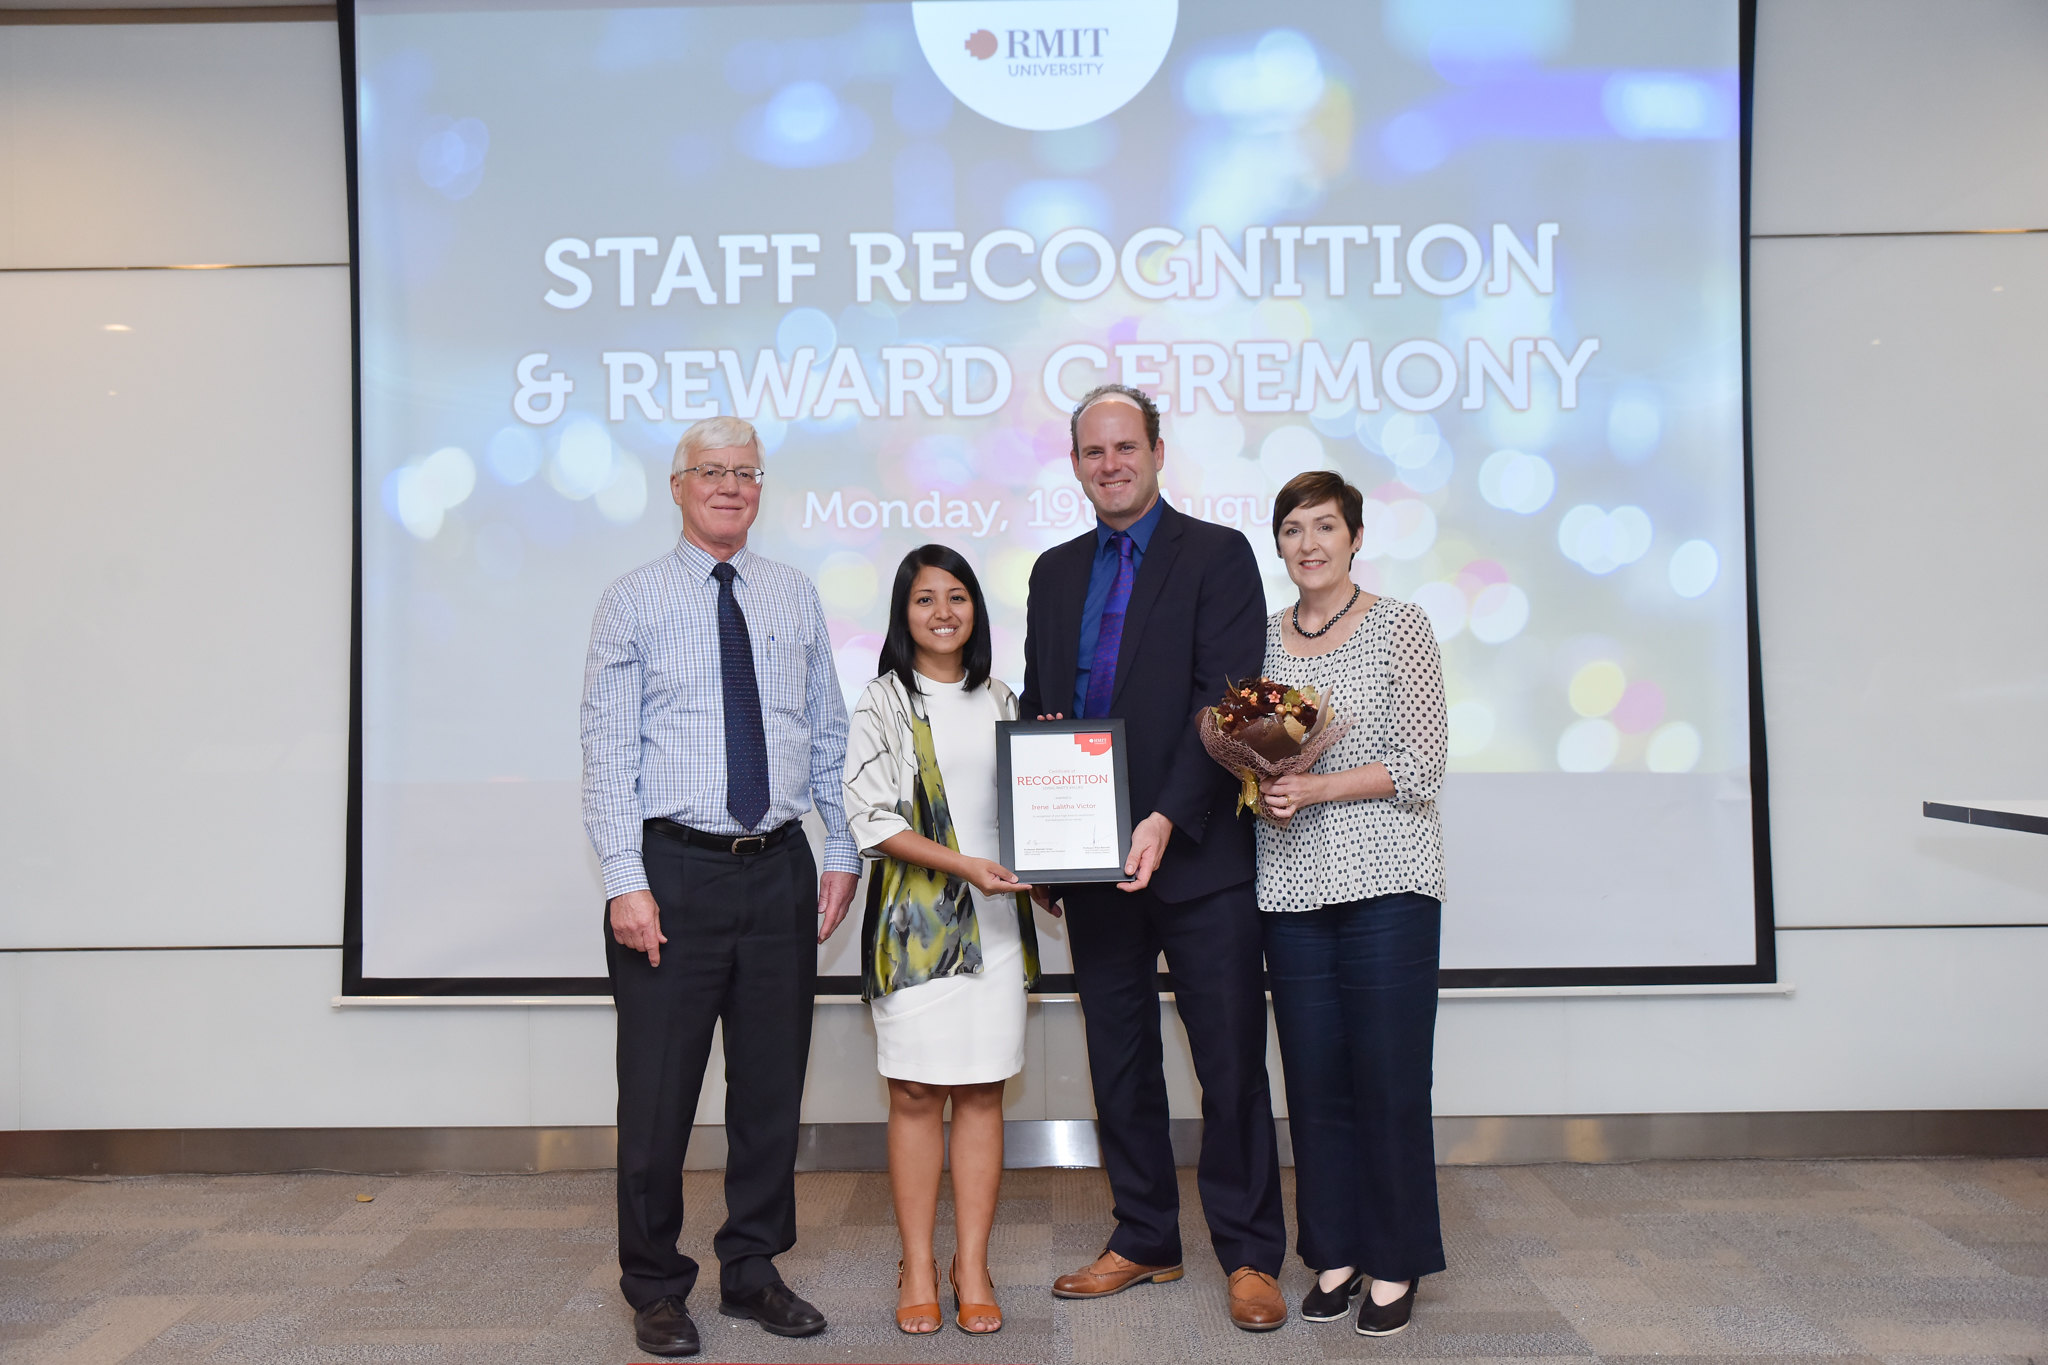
(1485, 260)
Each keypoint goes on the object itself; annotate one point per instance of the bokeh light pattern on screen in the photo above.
(1486, 267)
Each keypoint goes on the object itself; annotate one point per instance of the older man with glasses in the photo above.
(712, 719)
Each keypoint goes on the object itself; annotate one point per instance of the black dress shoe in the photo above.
(663, 1328)
(1385, 1319)
(777, 1308)
(1328, 1305)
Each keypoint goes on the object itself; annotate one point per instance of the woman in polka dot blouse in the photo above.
(1352, 887)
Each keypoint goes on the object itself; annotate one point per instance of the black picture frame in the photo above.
(1006, 731)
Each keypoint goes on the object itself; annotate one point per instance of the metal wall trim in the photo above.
(1506, 1140)
(102, 269)
(1902, 232)
(351, 1002)
(214, 14)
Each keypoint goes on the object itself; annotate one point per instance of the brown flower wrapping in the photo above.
(1251, 767)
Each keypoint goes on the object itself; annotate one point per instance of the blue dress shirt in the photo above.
(1100, 577)
(653, 718)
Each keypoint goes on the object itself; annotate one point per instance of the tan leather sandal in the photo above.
(906, 1316)
(963, 1313)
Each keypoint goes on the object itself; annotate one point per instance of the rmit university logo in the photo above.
(1039, 65)
(1057, 44)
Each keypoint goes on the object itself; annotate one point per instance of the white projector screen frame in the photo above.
(1706, 870)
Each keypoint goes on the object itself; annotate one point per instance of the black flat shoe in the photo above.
(664, 1328)
(777, 1308)
(1385, 1319)
(1328, 1305)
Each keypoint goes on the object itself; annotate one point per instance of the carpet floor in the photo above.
(1894, 1261)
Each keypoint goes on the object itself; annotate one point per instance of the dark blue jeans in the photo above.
(1354, 996)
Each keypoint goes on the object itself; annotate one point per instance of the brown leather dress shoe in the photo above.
(1255, 1302)
(1110, 1273)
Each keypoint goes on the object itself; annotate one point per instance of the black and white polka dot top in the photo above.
(1388, 681)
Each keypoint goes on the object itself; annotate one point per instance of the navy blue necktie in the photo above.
(746, 746)
(1109, 640)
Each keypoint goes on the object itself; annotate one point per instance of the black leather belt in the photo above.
(724, 843)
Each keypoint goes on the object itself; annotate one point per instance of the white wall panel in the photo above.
(1901, 557)
(171, 144)
(10, 1040)
(1882, 1019)
(248, 1039)
(570, 1071)
(1900, 115)
(1065, 1079)
(175, 544)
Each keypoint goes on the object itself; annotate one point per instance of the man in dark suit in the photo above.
(1143, 618)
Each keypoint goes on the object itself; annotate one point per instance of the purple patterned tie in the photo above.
(1102, 672)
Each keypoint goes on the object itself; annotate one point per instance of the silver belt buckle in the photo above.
(759, 842)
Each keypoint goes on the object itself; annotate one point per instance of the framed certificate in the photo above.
(1063, 803)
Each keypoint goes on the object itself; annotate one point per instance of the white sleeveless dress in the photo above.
(966, 1029)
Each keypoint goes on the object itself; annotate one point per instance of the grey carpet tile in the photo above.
(1908, 1263)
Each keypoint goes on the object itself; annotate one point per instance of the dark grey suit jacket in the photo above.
(1197, 617)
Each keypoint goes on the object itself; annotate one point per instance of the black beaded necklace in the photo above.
(1313, 634)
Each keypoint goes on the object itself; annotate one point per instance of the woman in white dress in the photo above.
(947, 949)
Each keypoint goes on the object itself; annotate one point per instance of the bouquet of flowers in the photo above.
(1263, 729)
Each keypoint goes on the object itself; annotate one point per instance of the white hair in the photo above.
(716, 433)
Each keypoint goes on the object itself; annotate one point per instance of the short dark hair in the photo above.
(1101, 391)
(1315, 487)
(899, 651)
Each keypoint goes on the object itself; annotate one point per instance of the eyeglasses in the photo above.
(715, 473)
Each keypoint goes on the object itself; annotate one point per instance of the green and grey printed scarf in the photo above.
(920, 925)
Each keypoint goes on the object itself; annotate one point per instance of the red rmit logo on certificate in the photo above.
(1095, 745)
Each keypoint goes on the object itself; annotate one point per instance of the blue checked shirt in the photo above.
(654, 718)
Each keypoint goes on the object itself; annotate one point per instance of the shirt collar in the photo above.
(1140, 531)
(698, 562)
